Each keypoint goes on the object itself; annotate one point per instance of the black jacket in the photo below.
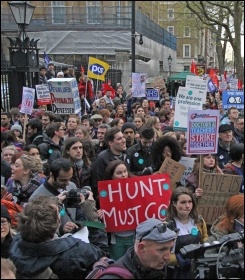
(98, 170)
(49, 150)
(132, 263)
(6, 170)
(68, 257)
(138, 159)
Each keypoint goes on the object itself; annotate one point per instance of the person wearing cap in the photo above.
(192, 229)
(6, 233)
(129, 130)
(225, 140)
(151, 252)
(98, 120)
(50, 73)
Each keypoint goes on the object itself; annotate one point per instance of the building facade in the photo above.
(71, 31)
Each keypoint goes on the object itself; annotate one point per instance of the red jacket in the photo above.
(82, 88)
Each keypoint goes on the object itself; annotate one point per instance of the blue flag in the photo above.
(46, 59)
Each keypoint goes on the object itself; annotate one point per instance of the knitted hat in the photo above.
(17, 127)
(5, 212)
(128, 125)
(60, 74)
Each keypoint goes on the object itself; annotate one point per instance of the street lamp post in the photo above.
(23, 53)
(169, 64)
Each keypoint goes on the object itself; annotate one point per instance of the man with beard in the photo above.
(139, 155)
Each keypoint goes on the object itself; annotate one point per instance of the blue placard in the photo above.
(233, 98)
(211, 86)
(152, 94)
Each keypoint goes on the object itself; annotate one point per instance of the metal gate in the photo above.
(5, 102)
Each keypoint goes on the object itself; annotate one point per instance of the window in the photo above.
(93, 12)
(170, 13)
(186, 50)
(58, 12)
(171, 29)
(187, 32)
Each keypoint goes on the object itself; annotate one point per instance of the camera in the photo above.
(213, 266)
(73, 197)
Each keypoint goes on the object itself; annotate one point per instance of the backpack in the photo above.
(104, 267)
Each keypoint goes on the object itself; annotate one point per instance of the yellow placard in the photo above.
(97, 68)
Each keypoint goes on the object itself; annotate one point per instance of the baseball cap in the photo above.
(155, 230)
(96, 117)
(225, 127)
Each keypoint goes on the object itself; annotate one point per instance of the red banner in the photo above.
(128, 202)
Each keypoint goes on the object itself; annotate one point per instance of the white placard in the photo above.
(27, 103)
(64, 95)
(187, 99)
(188, 162)
(138, 84)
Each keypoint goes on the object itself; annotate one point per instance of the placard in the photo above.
(27, 103)
(217, 189)
(152, 94)
(188, 162)
(64, 95)
(187, 99)
(138, 84)
(233, 98)
(202, 132)
(173, 169)
(43, 94)
(130, 201)
(196, 82)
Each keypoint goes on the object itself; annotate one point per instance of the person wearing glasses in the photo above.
(6, 232)
(151, 252)
(51, 148)
(182, 211)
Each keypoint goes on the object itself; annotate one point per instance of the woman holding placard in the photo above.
(210, 165)
(120, 241)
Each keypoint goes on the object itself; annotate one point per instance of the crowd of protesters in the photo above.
(47, 155)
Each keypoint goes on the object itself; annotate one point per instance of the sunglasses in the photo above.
(161, 228)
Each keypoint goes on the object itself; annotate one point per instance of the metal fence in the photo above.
(5, 102)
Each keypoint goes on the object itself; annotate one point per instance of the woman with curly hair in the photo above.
(165, 146)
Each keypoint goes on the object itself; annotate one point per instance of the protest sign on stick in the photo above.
(128, 202)
(174, 169)
(217, 189)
